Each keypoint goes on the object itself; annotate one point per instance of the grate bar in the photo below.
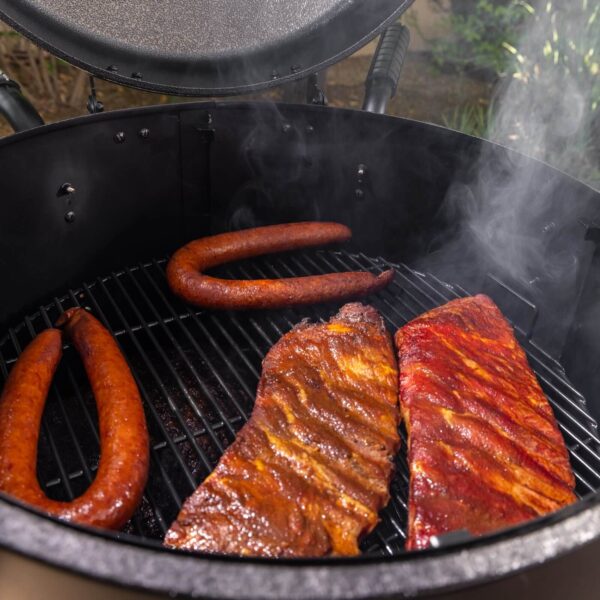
(192, 370)
(156, 420)
(176, 318)
(182, 438)
(245, 335)
(117, 332)
(180, 384)
(158, 380)
(573, 404)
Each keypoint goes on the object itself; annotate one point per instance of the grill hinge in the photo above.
(197, 137)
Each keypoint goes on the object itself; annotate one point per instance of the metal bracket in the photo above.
(314, 91)
(93, 104)
(197, 136)
(309, 90)
(450, 539)
(207, 133)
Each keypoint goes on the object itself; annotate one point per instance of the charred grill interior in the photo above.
(197, 372)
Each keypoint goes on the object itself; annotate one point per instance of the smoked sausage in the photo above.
(186, 278)
(117, 489)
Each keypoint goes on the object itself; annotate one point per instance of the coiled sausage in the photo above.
(186, 279)
(117, 489)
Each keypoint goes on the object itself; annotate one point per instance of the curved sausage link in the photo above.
(186, 280)
(117, 489)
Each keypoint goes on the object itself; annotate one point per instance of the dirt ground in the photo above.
(424, 93)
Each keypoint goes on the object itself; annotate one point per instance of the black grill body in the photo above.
(205, 168)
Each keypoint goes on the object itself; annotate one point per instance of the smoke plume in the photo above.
(548, 110)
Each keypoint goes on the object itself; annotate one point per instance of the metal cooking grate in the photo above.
(198, 370)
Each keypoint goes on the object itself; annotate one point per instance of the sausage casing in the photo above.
(187, 280)
(117, 489)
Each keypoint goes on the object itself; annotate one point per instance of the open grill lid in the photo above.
(201, 47)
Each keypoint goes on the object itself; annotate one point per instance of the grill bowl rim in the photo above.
(125, 560)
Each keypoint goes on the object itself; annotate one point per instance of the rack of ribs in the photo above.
(308, 473)
(484, 449)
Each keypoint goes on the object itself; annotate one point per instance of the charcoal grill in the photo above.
(198, 372)
(93, 207)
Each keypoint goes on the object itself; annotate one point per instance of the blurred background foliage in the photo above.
(480, 31)
(551, 46)
(458, 67)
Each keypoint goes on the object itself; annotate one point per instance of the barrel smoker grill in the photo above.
(91, 209)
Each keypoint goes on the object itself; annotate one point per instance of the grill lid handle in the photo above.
(15, 108)
(386, 68)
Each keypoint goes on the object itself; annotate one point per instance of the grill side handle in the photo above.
(15, 108)
(386, 67)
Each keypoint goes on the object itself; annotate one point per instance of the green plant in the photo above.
(570, 47)
(479, 34)
(555, 85)
(472, 119)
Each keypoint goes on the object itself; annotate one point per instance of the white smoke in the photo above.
(509, 208)
(546, 108)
